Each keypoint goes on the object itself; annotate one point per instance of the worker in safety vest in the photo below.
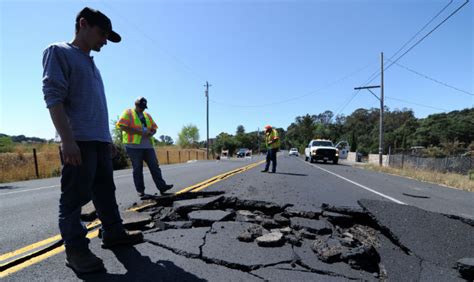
(272, 141)
(138, 129)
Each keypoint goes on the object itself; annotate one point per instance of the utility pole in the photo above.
(381, 112)
(381, 86)
(207, 116)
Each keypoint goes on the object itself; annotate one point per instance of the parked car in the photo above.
(242, 153)
(320, 149)
(293, 152)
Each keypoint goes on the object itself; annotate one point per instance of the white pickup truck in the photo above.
(320, 149)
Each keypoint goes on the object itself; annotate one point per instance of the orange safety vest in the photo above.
(129, 118)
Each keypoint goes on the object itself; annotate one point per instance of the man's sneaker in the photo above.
(141, 194)
(265, 170)
(83, 261)
(125, 238)
(166, 188)
(146, 197)
(273, 171)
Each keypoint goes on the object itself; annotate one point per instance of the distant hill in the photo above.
(24, 139)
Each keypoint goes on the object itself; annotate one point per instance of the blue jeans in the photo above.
(137, 156)
(93, 179)
(271, 157)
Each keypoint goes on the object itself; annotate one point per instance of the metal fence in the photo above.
(456, 164)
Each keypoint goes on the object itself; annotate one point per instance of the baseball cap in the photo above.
(95, 17)
(141, 102)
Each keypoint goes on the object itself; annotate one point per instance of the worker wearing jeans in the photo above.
(138, 128)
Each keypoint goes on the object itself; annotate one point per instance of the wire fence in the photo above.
(455, 164)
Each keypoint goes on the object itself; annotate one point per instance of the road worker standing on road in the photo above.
(138, 129)
(272, 141)
(74, 94)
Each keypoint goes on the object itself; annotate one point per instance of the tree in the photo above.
(116, 132)
(189, 136)
(224, 141)
(240, 130)
(165, 140)
(6, 144)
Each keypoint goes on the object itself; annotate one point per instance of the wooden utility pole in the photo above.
(207, 117)
(381, 112)
(381, 86)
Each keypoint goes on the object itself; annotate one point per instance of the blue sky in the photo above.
(267, 61)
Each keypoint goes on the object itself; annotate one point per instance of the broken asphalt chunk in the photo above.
(222, 247)
(135, 220)
(314, 226)
(185, 206)
(427, 234)
(273, 239)
(314, 213)
(186, 242)
(207, 217)
(465, 267)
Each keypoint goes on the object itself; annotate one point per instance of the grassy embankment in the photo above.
(19, 164)
(451, 180)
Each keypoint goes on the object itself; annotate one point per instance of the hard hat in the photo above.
(267, 127)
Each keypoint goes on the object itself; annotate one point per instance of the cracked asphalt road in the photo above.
(414, 241)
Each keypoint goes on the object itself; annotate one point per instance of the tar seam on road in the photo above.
(357, 184)
(12, 266)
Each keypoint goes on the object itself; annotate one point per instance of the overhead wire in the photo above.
(434, 80)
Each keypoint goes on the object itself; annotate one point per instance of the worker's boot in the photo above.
(111, 240)
(83, 261)
(165, 188)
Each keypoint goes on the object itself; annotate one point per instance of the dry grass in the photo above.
(451, 180)
(19, 165)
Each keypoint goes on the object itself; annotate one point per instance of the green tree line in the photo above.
(441, 134)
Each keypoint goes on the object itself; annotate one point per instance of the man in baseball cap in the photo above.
(75, 96)
(96, 18)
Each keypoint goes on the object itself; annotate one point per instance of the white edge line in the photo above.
(359, 185)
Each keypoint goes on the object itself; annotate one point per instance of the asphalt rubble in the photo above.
(378, 241)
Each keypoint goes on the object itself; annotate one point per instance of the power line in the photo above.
(377, 73)
(296, 97)
(434, 80)
(425, 36)
(423, 28)
(417, 104)
(431, 31)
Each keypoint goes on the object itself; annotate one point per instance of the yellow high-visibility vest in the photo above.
(130, 119)
(272, 136)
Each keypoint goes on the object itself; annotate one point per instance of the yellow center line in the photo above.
(41, 257)
(95, 223)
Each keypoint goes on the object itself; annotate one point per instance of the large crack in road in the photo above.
(264, 238)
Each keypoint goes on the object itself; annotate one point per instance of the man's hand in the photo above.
(151, 132)
(71, 153)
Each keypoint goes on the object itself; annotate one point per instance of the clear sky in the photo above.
(268, 61)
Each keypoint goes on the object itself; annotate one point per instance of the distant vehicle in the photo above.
(343, 147)
(242, 153)
(293, 152)
(320, 149)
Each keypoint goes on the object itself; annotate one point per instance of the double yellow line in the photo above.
(17, 260)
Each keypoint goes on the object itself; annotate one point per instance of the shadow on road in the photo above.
(141, 268)
(289, 173)
(8, 187)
